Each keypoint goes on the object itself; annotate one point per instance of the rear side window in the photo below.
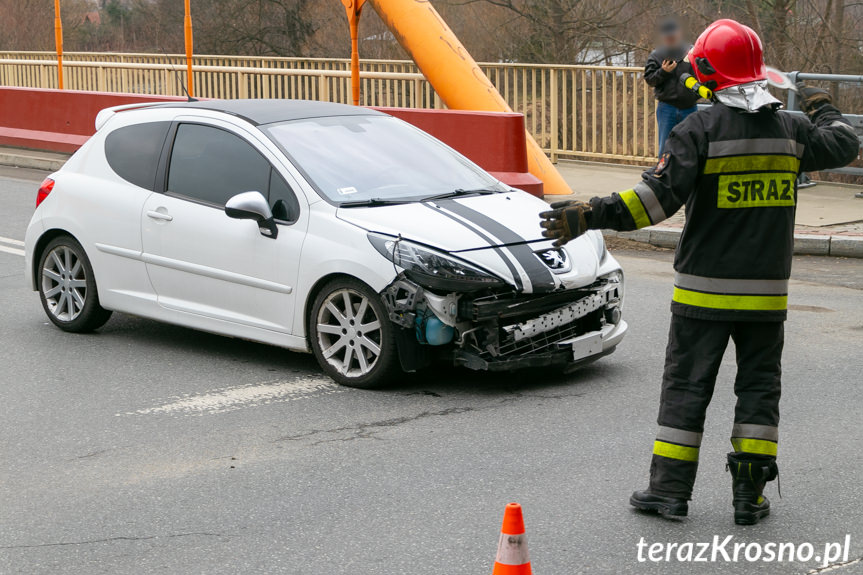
(133, 152)
(212, 165)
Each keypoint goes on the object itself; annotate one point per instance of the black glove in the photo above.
(565, 221)
(811, 99)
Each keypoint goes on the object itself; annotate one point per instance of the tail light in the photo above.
(44, 190)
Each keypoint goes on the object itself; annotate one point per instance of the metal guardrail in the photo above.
(588, 112)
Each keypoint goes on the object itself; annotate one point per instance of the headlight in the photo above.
(433, 269)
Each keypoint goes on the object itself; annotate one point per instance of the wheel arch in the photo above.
(41, 243)
(388, 356)
(313, 294)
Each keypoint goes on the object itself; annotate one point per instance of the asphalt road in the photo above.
(151, 448)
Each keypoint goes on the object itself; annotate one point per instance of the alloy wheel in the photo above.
(64, 283)
(349, 333)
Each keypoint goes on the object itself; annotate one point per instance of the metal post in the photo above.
(354, 9)
(555, 126)
(58, 42)
(187, 29)
(792, 95)
(323, 88)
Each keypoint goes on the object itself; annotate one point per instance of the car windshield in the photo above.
(376, 159)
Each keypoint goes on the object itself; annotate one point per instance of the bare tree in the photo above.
(568, 31)
(811, 35)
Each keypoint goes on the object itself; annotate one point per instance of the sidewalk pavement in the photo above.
(829, 217)
(33, 159)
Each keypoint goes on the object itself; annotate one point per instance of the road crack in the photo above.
(835, 566)
(113, 539)
(370, 430)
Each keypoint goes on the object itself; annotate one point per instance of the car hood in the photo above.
(498, 232)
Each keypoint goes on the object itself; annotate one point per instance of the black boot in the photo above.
(665, 506)
(749, 473)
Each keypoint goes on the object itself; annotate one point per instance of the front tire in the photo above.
(67, 287)
(351, 335)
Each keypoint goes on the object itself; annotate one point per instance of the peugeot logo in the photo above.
(555, 259)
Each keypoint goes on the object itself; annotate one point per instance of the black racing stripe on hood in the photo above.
(540, 276)
(515, 275)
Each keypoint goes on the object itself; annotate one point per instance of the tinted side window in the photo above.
(283, 202)
(133, 152)
(212, 165)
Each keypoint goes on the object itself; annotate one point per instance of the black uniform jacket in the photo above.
(667, 86)
(736, 173)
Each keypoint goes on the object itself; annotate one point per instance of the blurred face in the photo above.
(672, 39)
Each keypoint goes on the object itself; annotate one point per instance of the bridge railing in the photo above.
(588, 112)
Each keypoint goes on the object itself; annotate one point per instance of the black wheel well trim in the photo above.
(41, 243)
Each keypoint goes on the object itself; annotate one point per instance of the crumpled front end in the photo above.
(505, 329)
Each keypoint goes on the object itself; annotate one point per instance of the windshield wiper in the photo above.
(459, 192)
(373, 202)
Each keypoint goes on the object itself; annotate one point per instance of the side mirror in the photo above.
(253, 206)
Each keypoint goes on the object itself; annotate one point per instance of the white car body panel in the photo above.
(427, 224)
(436, 225)
(192, 265)
(236, 274)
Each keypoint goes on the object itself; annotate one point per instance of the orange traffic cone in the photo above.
(512, 557)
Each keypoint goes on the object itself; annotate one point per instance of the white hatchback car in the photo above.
(315, 227)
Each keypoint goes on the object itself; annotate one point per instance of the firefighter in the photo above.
(734, 166)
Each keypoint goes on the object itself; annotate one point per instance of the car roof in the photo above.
(260, 112)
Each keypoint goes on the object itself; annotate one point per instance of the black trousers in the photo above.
(695, 350)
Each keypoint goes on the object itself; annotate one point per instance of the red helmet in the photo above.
(727, 53)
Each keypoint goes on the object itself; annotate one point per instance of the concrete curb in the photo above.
(807, 244)
(846, 246)
(32, 161)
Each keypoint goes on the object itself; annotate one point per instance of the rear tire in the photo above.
(351, 335)
(67, 287)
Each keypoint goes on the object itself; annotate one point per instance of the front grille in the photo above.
(520, 325)
(547, 341)
(510, 308)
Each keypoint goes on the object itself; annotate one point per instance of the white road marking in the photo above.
(17, 252)
(11, 241)
(243, 396)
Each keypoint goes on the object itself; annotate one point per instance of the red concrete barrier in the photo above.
(62, 120)
(56, 120)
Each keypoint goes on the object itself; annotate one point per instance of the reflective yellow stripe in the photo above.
(756, 190)
(720, 301)
(760, 446)
(636, 208)
(751, 164)
(673, 451)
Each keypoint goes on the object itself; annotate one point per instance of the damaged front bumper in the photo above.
(570, 352)
(507, 331)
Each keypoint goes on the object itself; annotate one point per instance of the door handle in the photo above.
(160, 216)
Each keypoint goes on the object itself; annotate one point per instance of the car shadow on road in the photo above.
(159, 336)
(439, 379)
(442, 380)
